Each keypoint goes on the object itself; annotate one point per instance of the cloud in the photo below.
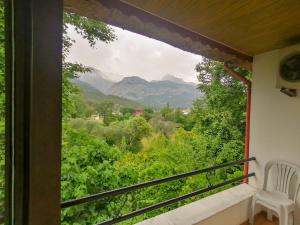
(135, 55)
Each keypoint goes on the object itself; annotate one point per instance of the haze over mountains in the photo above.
(158, 93)
(100, 80)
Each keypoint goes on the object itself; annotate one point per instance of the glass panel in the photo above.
(137, 109)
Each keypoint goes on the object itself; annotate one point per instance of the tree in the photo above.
(105, 109)
(90, 30)
(136, 129)
(161, 157)
(87, 168)
(83, 156)
(222, 91)
(127, 112)
(148, 113)
(161, 126)
(220, 115)
(167, 113)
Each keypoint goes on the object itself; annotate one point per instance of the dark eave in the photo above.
(126, 16)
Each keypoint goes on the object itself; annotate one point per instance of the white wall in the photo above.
(275, 118)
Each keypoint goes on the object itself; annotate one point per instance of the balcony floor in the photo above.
(261, 219)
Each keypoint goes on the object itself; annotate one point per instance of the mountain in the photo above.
(175, 92)
(176, 79)
(170, 77)
(99, 79)
(88, 91)
(92, 94)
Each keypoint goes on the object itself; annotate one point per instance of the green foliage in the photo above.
(90, 30)
(176, 116)
(2, 105)
(2, 60)
(148, 113)
(105, 109)
(132, 149)
(2, 165)
(220, 116)
(87, 167)
(137, 128)
(83, 155)
(127, 110)
(70, 91)
(127, 134)
(162, 126)
(223, 93)
(159, 158)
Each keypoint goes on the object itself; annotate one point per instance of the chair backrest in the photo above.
(285, 173)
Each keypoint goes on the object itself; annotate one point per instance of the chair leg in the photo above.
(281, 220)
(252, 213)
(269, 215)
(291, 219)
(284, 217)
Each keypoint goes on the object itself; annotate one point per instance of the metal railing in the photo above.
(124, 190)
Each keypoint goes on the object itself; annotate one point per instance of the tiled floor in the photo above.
(261, 219)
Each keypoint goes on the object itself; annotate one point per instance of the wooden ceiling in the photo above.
(224, 30)
(249, 26)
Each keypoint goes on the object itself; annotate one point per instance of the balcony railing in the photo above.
(124, 190)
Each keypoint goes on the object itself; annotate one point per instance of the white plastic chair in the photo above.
(281, 199)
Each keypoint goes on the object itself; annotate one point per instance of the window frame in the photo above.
(33, 111)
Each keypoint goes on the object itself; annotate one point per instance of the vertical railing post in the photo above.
(248, 85)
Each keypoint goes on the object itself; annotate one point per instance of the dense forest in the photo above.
(122, 148)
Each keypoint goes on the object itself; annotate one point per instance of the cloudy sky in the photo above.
(135, 55)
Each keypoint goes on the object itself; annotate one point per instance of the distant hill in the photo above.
(171, 90)
(99, 79)
(92, 94)
(170, 77)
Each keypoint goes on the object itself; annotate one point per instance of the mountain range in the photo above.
(99, 79)
(170, 90)
(92, 94)
(157, 93)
